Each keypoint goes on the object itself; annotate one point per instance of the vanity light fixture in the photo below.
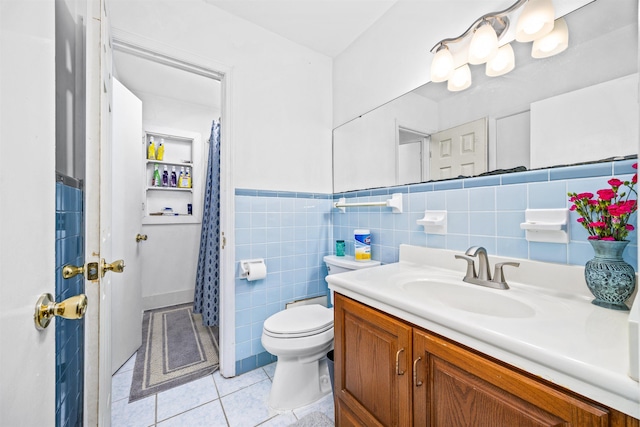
(535, 22)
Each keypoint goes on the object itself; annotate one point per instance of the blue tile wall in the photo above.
(69, 333)
(484, 211)
(291, 231)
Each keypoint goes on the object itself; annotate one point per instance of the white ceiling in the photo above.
(325, 26)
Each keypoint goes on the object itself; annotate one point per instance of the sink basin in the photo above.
(467, 298)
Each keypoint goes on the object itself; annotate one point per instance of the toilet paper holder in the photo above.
(244, 266)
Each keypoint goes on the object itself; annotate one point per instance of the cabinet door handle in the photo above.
(416, 382)
(398, 371)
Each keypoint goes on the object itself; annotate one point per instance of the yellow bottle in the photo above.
(160, 153)
(151, 151)
(189, 183)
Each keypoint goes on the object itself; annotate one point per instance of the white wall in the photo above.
(281, 94)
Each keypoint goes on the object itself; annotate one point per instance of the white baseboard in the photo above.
(165, 300)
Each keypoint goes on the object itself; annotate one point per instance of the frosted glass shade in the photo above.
(502, 63)
(460, 80)
(442, 65)
(536, 20)
(554, 42)
(484, 44)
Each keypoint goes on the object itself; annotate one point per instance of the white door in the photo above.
(461, 150)
(27, 210)
(126, 288)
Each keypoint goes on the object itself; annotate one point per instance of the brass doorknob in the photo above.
(47, 309)
(69, 271)
(140, 237)
(116, 266)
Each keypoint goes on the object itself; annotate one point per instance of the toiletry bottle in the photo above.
(151, 150)
(165, 176)
(189, 183)
(155, 182)
(182, 179)
(174, 178)
(160, 152)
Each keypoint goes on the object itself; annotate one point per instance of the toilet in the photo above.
(300, 337)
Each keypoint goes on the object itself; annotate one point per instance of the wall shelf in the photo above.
(182, 150)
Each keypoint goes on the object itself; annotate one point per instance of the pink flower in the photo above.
(606, 194)
(635, 165)
(606, 217)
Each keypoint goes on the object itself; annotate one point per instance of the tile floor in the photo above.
(210, 401)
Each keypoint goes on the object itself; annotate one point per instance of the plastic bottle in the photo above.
(174, 178)
(151, 150)
(188, 174)
(156, 181)
(160, 152)
(182, 179)
(165, 176)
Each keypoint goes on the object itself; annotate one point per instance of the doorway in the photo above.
(184, 96)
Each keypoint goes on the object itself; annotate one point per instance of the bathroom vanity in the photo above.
(414, 345)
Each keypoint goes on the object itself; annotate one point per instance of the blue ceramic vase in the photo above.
(609, 278)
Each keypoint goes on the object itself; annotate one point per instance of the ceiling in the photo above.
(325, 26)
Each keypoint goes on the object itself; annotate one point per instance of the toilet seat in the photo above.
(298, 322)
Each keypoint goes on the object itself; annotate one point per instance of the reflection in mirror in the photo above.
(578, 106)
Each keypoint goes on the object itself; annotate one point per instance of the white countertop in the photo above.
(549, 327)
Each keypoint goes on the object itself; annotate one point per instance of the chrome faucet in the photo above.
(483, 277)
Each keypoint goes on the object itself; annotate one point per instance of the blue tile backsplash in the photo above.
(293, 231)
(69, 333)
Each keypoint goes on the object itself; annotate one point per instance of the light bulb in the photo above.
(442, 65)
(535, 21)
(460, 80)
(553, 43)
(502, 63)
(484, 44)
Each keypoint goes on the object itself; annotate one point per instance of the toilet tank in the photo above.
(341, 264)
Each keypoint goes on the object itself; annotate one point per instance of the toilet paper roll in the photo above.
(256, 271)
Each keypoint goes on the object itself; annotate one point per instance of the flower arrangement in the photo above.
(607, 216)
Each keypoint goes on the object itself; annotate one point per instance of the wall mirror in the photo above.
(578, 106)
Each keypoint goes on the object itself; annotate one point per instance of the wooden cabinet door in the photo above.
(372, 366)
(463, 388)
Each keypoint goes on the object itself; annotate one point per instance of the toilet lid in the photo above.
(299, 321)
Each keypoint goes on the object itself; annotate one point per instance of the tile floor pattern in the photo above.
(210, 401)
